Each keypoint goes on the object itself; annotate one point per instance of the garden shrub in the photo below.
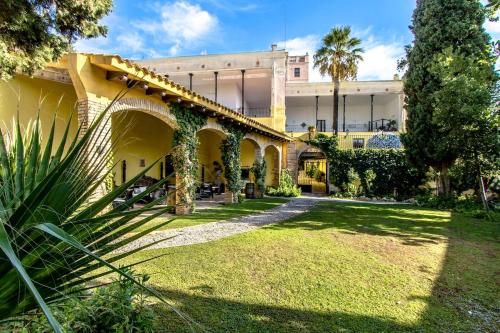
(118, 307)
(381, 172)
(467, 205)
(286, 187)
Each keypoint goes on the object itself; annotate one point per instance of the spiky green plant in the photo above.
(53, 238)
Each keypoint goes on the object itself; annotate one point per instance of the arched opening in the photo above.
(249, 152)
(210, 168)
(312, 171)
(139, 140)
(272, 158)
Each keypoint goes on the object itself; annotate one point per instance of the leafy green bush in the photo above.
(381, 172)
(118, 307)
(461, 204)
(286, 187)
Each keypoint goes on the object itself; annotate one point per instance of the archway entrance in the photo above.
(210, 176)
(140, 139)
(312, 171)
(272, 158)
(249, 152)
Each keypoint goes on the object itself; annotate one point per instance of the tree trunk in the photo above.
(443, 180)
(482, 193)
(336, 88)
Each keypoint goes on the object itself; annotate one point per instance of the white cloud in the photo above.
(300, 45)
(180, 23)
(132, 41)
(380, 61)
(380, 58)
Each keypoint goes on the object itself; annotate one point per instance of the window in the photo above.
(296, 72)
(302, 59)
(245, 173)
(321, 125)
(358, 143)
(142, 163)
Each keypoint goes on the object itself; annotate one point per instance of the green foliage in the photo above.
(230, 154)
(118, 307)
(339, 54)
(380, 172)
(53, 237)
(449, 85)
(286, 188)
(338, 57)
(33, 33)
(467, 205)
(259, 171)
(184, 153)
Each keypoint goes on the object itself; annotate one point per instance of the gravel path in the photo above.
(216, 230)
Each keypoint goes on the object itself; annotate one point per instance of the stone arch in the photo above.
(320, 155)
(215, 127)
(255, 144)
(140, 138)
(144, 105)
(272, 156)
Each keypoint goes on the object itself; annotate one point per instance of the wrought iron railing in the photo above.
(262, 112)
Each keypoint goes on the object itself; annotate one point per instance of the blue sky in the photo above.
(152, 29)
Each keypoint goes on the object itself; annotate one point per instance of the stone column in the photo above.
(181, 206)
(88, 111)
(292, 160)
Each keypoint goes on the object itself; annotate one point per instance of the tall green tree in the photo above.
(34, 32)
(449, 85)
(338, 57)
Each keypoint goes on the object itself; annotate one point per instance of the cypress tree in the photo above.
(447, 35)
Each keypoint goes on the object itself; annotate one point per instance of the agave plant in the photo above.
(54, 237)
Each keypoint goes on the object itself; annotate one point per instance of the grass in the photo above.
(216, 213)
(342, 267)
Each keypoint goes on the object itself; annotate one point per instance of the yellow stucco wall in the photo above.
(29, 95)
(139, 136)
(247, 153)
(208, 152)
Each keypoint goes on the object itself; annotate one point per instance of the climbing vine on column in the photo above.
(184, 153)
(230, 154)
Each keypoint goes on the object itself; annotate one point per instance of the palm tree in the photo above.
(338, 57)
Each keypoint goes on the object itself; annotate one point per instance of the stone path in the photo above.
(216, 230)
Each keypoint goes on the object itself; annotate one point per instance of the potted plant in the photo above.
(259, 171)
(312, 131)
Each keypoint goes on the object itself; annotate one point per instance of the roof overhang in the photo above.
(118, 68)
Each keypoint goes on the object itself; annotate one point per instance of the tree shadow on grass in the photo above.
(215, 314)
(415, 228)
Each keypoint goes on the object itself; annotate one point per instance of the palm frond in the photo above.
(53, 237)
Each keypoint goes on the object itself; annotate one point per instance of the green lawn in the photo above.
(340, 268)
(216, 213)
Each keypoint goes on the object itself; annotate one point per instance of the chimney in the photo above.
(274, 47)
